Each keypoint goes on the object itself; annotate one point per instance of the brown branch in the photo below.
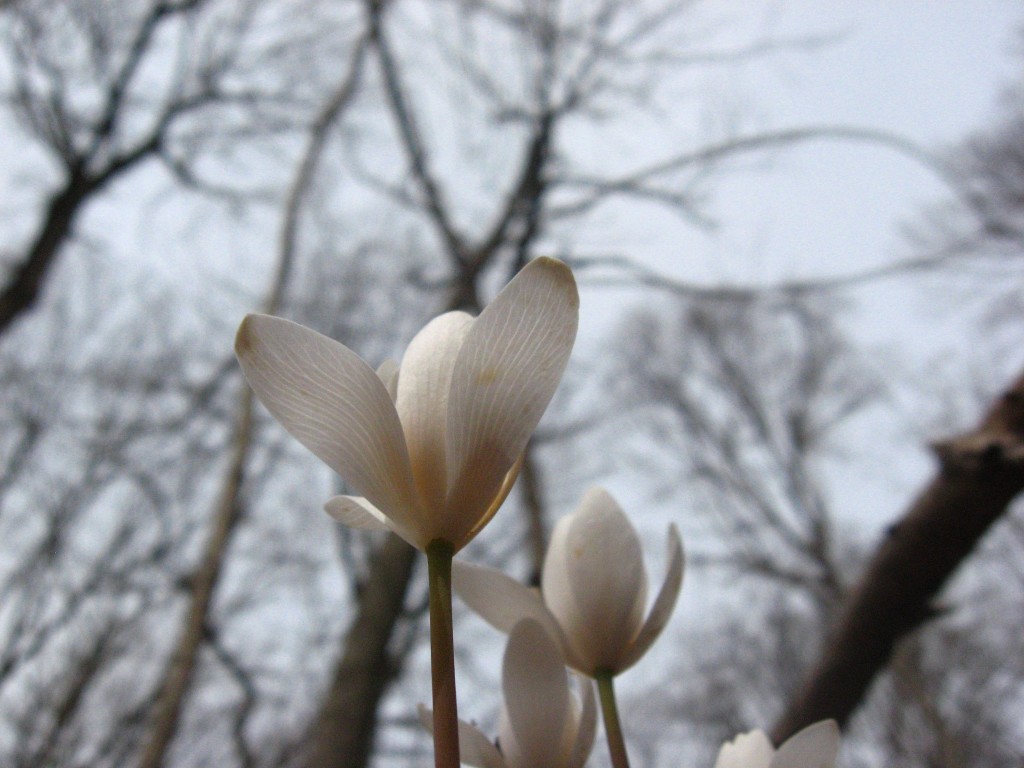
(23, 288)
(412, 142)
(344, 732)
(178, 675)
(979, 474)
(83, 181)
(534, 512)
(597, 190)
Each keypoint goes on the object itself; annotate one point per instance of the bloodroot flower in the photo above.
(815, 746)
(543, 724)
(435, 463)
(594, 589)
(594, 596)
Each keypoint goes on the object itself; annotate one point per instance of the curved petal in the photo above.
(388, 373)
(506, 374)
(474, 747)
(499, 498)
(536, 688)
(424, 381)
(747, 750)
(586, 723)
(356, 512)
(508, 743)
(816, 746)
(603, 560)
(557, 590)
(333, 403)
(664, 603)
(500, 600)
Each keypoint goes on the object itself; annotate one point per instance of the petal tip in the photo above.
(243, 337)
(563, 275)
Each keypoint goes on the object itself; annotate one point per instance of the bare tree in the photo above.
(102, 88)
(567, 66)
(140, 487)
(228, 505)
(750, 389)
(979, 474)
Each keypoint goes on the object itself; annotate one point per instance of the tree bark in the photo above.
(224, 518)
(23, 288)
(979, 474)
(344, 732)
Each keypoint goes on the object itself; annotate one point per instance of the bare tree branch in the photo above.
(343, 735)
(228, 507)
(979, 475)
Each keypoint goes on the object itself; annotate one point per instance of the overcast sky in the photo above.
(930, 72)
(927, 71)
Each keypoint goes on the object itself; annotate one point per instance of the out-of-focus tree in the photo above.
(978, 235)
(478, 161)
(112, 440)
(750, 388)
(973, 243)
(746, 392)
(99, 89)
(980, 473)
(169, 594)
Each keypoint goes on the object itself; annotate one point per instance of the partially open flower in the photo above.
(594, 589)
(436, 462)
(815, 746)
(543, 724)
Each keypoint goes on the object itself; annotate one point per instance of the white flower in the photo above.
(543, 724)
(594, 589)
(438, 461)
(815, 746)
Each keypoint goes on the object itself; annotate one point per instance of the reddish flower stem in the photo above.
(612, 725)
(442, 655)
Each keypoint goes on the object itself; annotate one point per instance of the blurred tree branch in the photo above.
(228, 507)
(979, 474)
(107, 52)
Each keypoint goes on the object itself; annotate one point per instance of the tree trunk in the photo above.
(22, 290)
(344, 732)
(979, 475)
(224, 517)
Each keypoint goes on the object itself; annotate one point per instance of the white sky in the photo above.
(931, 72)
(927, 71)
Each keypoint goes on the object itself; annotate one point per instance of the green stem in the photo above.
(442, 654)
(612, 725)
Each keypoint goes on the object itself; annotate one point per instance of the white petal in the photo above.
(536, 693)
(602, 559)
(424, 382)
(474, 748)
(747, 750)
(510, 748)
(357, 512)
(500, 600)
(815, 746)
(506, 374)
(388, 373)
(664, 603)
(333, 403)
(481, 520)
(586, 724)
(557, 590)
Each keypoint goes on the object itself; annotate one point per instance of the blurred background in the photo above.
(797, 228)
